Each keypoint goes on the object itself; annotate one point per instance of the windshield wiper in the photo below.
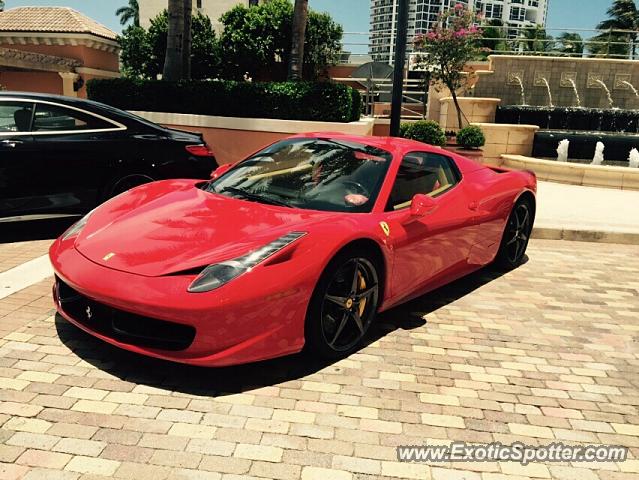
(255, 197)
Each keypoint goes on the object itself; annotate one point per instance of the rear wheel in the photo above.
(124, 183)
(343, 305)
(516, 236)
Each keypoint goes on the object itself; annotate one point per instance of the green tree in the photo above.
(535, 40)
(143, 51)
(622, 26)
(136, 53)
(493, 38)
(257, 41)
(448, 47)
(128, 13)
(571, 44)
(323, 43)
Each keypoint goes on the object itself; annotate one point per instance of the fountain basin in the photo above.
(583, 144)
(570, 118)
(622, 178)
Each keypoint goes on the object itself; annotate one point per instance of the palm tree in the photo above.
(177, 62)
(187, 39)
(129, 13)
(623, 16)
(571, 44)
(173, 61)
(296, 61)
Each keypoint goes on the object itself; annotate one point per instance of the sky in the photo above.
(352, 14)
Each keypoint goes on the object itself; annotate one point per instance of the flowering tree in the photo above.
(448, 47)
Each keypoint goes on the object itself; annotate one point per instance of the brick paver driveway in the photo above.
(546, 353)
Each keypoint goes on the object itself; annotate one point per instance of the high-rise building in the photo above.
(422, 15)
(213, 9)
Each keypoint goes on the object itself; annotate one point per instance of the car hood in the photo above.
(172, 226)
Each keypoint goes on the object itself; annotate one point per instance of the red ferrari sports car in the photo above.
(301, 244)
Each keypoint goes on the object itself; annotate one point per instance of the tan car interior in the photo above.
(416, 177)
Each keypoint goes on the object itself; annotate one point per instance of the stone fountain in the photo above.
(585, 128)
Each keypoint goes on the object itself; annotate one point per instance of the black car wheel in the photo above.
(516, 236)
(343, 305)
(124, 183)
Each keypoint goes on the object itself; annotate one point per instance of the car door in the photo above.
(430, 248)
(77, 152)
(19, 182)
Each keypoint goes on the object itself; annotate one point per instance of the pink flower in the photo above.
(459, 6)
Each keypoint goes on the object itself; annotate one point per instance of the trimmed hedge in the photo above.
(315, 101)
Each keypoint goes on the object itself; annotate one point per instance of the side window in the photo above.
(421, 172)
(51, 118)
(15, 116)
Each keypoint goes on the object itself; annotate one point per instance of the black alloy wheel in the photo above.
(516, 236)
(343, 306)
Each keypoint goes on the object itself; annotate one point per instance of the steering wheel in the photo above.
(356, 187)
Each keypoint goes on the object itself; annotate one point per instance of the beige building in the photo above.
(211, 8)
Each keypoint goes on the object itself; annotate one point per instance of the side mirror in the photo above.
(221, 170)
(422, 205)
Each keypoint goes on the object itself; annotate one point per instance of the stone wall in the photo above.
(502, 139)
(475, 110)
(501, 83)
(233, 139)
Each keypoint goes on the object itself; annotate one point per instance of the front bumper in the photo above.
(255, 317)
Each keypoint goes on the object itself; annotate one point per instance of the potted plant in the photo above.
(470, 140)
(426, 131)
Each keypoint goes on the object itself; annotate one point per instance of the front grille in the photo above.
(122, 326)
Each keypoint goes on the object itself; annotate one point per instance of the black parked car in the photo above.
(61, 155)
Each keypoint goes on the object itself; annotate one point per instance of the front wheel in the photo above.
(516, 236)
(343, 306)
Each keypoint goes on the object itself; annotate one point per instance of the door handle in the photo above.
(10, 143)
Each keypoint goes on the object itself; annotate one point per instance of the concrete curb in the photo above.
(596, 236)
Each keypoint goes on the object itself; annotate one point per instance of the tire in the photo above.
(516, 236)
(343, 306)
(125, 182)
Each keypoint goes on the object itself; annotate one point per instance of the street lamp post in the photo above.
(398, 72)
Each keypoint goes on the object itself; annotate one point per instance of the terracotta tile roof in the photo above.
(51, 20)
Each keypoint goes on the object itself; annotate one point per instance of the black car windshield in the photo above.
(309, 173)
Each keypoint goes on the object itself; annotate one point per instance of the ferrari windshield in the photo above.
(309, 173)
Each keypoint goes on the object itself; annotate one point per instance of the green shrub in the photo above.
(404, 129)
(471, 137)
(426, 131)
(357, 105)
(314, 101)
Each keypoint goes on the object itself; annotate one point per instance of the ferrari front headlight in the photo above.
(77, 227)
(218, 274)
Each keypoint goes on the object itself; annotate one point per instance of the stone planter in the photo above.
(474, 154)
